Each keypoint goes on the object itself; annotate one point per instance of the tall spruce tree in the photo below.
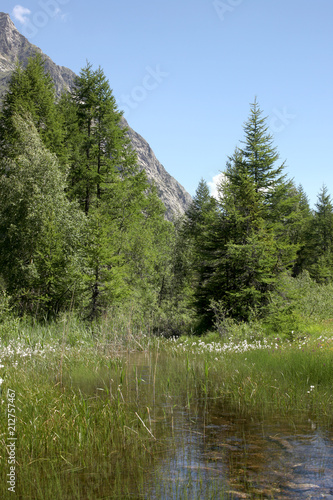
(198, 225)
(259, 155)
(301, 229)
(248, 241)
(247, 257)
(320, 239)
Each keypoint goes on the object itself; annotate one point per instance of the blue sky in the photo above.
(186, 71)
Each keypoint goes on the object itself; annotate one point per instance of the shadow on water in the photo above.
(210, 451)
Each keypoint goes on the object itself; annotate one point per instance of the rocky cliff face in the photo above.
(173, 195)
(15, 47)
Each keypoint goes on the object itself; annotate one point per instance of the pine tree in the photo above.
(199, 220)
(99, 149)
(323, 223)
(320, 239)
(278, 197)
(247, 256)
(201, 208)
(120, 206)
(248, 242)
(259, 155)
(301, 228)
(121, 254)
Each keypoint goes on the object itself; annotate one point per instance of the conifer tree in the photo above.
(175, 312)
(99, 149)
(323, 223)
(320, 239)
(259, 155)
(199, 222)
(122, 252)
(247, 255)
(114, 195)
(249, 241)
(200, 210)
(301, 228)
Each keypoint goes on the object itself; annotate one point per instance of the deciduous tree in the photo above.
(40, 229)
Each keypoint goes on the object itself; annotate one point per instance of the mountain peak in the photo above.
(5, 20)
(15, 47)
(10, 37)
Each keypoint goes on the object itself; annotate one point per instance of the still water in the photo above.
(222, 455)
(213, 452)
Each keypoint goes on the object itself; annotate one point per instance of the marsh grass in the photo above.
(96, 405)
(78, 438)
(78, 435)
(278, 376)
(281, 381)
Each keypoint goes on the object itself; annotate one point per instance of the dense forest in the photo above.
(82, 230)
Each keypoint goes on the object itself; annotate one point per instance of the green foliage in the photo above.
(98, 148)
(259, 156)
(127, 236)
(319, 246)
(171, 305)
(31, 92)
(47, 259)
(296, 303)
(195, 238)
(223, 324)
(81, 227)
(199, 214)
(40, 230)
(243, 243)
(299, 230)
(251, 273)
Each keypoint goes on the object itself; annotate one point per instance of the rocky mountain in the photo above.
(173, 195)
(15, 47)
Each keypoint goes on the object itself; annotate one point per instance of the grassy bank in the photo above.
(264, 375)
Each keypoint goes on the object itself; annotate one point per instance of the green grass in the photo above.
(78, 435)
(71, 441)
(277, 377)
(94, 405)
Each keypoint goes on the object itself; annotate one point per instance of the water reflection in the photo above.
(222, 455)
(213, 452)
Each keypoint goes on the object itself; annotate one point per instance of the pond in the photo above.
(212, 451)
(219, 454)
